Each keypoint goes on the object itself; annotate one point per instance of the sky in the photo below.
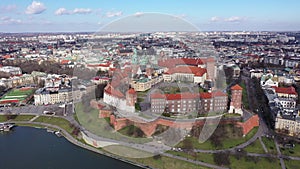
(94, 15)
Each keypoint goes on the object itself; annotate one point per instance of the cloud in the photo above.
(215, 19)
(82, 11)
(234, 19)
(138, 14)
(111, 14)
(230, 19)
(35, 8)
(7, 20)
(8, 8)
(64, 11)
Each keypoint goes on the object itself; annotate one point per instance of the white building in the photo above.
(12, 70)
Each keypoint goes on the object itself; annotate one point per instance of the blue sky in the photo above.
(91, 15)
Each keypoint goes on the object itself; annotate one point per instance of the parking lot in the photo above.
(32, 109)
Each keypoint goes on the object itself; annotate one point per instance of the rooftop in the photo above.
(236, 87)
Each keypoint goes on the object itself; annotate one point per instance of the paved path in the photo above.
(34, 118)
(263, 145)
(279, 155)
(193, 161)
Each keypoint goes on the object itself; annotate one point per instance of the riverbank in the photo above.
(59, 123)
(66, 127)
(35, 148)
(73, 140)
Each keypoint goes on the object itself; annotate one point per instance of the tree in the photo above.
(157, 157)
(188, 144)
(99, 90)
(218, 136)
(222, 158)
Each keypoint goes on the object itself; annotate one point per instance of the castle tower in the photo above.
(131, 97)
(236, 99)
(210, 64)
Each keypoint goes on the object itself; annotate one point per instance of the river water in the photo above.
(31, 148)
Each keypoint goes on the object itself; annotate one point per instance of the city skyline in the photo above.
(90, 16)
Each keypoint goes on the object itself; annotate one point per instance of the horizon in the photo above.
(91, 32)
(89, 16)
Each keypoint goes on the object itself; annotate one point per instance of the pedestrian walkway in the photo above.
(31, 120)
(263, 145)
(279, 155)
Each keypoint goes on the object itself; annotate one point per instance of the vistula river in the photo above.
(31, 148)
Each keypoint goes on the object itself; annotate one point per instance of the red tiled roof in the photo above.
(157, 96)
(112, 69)
(286, 90)
(198, 71)
(64, 62)
(174, 96)
(131, 91)
(218, 93)
(180, 61)
(99, 65)
(110, 90)
(9, 101)
(100, 106)
(205, 95)
(236, 87)
(6, 56)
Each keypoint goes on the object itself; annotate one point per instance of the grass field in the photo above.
(292, 164)
(269, 143)
(166, 162)
(255, 147)
(2, 118)
(17, 118)
(203, 157)
(291, 151)
(254, 163)
(100, 127)
(63, 123)
(228, 142)
(19, 94)
(132, 131)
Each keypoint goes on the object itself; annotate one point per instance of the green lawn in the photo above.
(17, 118)
(254, 163)
(166, 162)
(32, 125)
(100, 126)
(255, 147)
(23, 117)
(18, 94)
(232, 142)
(63, 123)
(269, 143)
(203, 157)
(291, 151)
(2, 118)
(195, 142)
(292, 164)
(228, 142)
(132, 131)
